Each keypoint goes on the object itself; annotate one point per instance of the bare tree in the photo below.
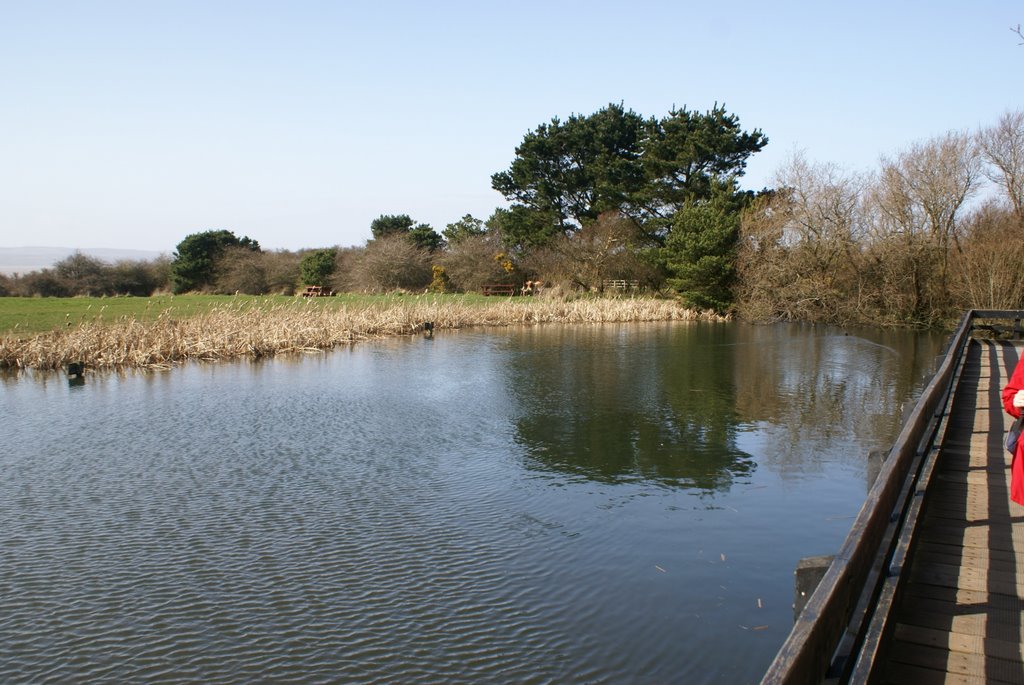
(988, 267)
(600, 250)
(762, 260)
(926, 186)
(1002, 148)
(825, 211)
(919, 197)
(800, 251)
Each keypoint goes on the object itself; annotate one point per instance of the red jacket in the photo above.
(1017, 465)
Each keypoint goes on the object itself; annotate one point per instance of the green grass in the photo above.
(24, 316)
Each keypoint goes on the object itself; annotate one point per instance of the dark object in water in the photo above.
(76, 373)
(428, 328)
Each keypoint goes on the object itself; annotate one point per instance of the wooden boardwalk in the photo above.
(960, 614)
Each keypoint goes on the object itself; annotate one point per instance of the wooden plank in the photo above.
(963, 597)
(979, 579)
(980, 621)
(955, 642)
(970, 554)
(974, 668)
(974, 537)
(970, 557)
(904, 674)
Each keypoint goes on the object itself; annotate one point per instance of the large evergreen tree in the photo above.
(675, 177)
(195, 260)
(565, 174)
(687, 157)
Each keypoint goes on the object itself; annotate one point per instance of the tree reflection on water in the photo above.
(684, 404)
(630, 405)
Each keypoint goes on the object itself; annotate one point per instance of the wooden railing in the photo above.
(837, 635)
(619, 284)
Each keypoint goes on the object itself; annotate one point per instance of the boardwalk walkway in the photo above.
(960, 618)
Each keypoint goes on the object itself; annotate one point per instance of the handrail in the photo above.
(854, 578)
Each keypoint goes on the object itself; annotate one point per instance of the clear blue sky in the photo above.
(132, 124)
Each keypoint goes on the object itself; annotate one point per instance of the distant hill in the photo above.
(22, 260)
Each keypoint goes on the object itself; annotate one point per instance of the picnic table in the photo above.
(498, 289)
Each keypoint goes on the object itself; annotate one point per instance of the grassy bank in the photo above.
(25, 316)
(159, 332)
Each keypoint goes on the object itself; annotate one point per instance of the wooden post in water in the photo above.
(875, 460)
(809, 572)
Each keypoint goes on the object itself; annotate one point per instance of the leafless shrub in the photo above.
(281, 271)
(240, 270)
(610, 248)
(477, 260)
(989, 266)
(44, 283)
(344, 278)
(139, 278)
(392, 263)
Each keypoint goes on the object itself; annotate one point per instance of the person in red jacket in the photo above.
(1013, 403)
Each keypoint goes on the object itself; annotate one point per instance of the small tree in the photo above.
(426, 238)
(83, 275)
(987, 267)
(466, 227)
(420, 235)
(440, 283)
(700, 252)
(391, 224)
(317, 267)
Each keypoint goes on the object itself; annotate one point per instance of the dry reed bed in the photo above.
(236, 331)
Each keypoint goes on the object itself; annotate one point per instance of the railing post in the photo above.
(809, 572)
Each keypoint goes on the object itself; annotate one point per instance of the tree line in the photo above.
(616, 196)
(935, 229)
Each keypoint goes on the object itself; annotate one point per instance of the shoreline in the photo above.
(235, 332)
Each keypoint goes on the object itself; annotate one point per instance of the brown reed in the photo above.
(233, 331)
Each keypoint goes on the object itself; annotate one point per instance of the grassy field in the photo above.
(27, 316)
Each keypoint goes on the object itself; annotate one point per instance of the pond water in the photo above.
(619, 503)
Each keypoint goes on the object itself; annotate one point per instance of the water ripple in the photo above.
(378, 516)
